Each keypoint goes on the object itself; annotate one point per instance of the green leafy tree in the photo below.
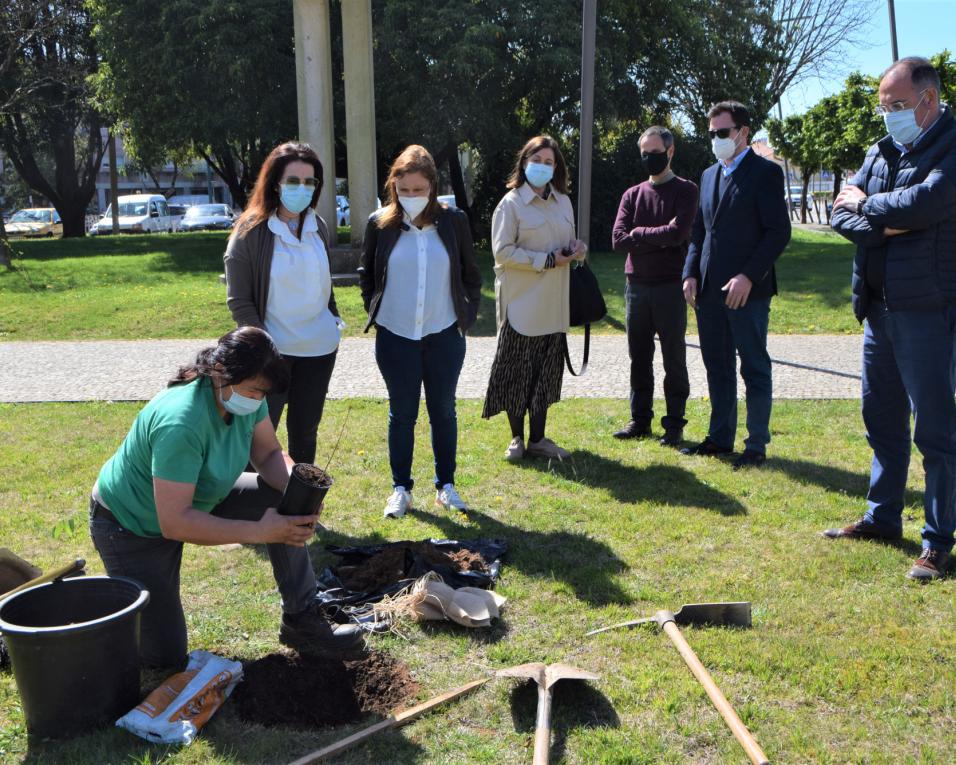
(216, 79)
(795, 140)
(47, 57)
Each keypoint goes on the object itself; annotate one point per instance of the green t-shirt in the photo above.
(178, 436)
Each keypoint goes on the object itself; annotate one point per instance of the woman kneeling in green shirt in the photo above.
(178, 477)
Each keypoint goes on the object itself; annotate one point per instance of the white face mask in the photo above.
(413, 206)
(724, 148)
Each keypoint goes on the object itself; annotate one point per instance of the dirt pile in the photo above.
(309, 692)
(395, 562)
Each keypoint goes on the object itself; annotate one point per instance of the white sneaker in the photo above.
(515, 450)
(547, 448)
(449, 499)
(399, 502)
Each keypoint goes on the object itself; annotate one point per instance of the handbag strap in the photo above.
(587, 349)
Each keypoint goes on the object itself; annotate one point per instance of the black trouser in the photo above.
(657, 309)
(154, 562)
(308, 386)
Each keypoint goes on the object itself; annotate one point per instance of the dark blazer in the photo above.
(915, 191)
(248, 261)
(455, 233)
(743, 230)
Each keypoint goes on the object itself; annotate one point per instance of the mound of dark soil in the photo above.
(395, 561)
(308, 692)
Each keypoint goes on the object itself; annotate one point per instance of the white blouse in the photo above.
(417, 298)
(300, 283)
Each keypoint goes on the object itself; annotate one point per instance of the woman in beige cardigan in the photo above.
(532, 238)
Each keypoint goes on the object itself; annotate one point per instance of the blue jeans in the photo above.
(723, 334)
(909, 365)
(436, 362)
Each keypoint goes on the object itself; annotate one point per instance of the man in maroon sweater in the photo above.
(653, 227)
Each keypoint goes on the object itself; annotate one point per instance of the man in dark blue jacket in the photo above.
(900, 211)
(741, 228)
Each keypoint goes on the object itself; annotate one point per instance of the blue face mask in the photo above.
(295, 198)
(238, 404)
(902, 125)
(538, 174)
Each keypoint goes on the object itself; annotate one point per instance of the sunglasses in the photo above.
(291, 180)
(721, 132)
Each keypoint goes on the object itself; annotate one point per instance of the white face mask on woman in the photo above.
(413, 206)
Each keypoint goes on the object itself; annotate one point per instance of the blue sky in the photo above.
(923, 28)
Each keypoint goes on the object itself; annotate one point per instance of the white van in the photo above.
(138, 214)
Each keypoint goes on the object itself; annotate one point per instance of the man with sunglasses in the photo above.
(900, 211)
(742, 227)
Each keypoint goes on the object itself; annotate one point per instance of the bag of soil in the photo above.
(367, 574)
(178, 709)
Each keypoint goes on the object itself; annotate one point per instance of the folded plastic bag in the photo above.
(178, 709)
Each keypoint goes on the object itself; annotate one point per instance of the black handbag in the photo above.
(586, 306)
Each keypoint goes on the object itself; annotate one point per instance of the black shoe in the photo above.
(672, 437)
(932, 564)
(309, 632)
(706, 448)
(862, 529)
(750, 458)
(633, 430)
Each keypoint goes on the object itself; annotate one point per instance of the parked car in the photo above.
(216, 217)
(342, 213)
(33, 222)
(138, 214)
(448, 200)
(176, 213)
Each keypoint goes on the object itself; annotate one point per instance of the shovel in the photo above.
(734, 614)
(394, 720)
(545, 676)
(58, 573)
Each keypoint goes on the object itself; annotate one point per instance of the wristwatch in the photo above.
(859, 206)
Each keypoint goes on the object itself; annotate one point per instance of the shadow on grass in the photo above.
(833, 479)
(666, 485)
(584, 564)
(575, 704)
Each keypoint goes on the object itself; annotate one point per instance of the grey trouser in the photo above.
(155, 563)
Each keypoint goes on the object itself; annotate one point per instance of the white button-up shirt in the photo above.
(300, 283)
(417, 298)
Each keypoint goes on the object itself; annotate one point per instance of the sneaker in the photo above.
(750, 458)
(515, 450)
(309, 632)
(399, 502)
(862, 529)
(633, 430)
(672, 437)
(449, 499)
(547, 448)
(932, 564)
(706, 448)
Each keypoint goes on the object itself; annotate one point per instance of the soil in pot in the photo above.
(312, 475)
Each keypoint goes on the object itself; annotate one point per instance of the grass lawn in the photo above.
(847, 662)
(166, 286)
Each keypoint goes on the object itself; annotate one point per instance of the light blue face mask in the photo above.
(295, 198)
(902, 125)
(238, 404)
(538, 174)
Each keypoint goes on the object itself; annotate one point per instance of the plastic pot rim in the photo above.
(8, 628)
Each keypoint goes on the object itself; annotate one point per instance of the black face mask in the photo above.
(655, 163)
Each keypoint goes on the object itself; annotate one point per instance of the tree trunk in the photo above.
(223, 164)
(803, 199)
(837, 182)
(5, 249)
(458, 184)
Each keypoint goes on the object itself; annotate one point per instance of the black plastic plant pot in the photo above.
(305, 491)
(74, 646)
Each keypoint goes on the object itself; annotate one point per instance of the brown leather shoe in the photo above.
(862, 529)
(932, 564)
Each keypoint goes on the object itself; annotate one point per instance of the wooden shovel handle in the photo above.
(736, 725)
(542, 728)
(57, 573)
(394, 720)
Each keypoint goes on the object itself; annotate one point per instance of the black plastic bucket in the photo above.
(302, 496)
(74, 646)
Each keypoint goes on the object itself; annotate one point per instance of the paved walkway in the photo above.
(805, 366)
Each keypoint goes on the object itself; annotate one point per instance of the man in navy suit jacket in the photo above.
(740, 230)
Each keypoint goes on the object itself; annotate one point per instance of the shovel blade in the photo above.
(719, 614)
(535, 670)
(556, 672)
